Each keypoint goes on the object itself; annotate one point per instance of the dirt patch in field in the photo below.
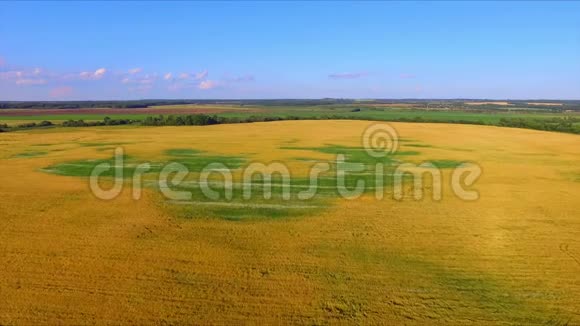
(546, 103)
(492, 103)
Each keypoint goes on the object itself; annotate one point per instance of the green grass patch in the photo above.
(241, 211)
(276, 199)
(445, 164)
(419, 145)
(482, 296)
(84, 168)
(196, 160)
(193, 160)
(572, 176)
(94, 144)
(30, 154)
(183, 152)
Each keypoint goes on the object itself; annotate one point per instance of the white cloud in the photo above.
(134, 78)
(19, 77)
(207, 84)
(98, 74)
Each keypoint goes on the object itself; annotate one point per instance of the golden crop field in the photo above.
(510, 257)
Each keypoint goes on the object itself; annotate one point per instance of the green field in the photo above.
(517, 116)
(317, 112)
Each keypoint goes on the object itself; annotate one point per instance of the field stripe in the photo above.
(229, 204)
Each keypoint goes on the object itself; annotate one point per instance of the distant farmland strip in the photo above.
(106, 111)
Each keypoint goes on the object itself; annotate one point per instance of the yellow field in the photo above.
(511, 257)
(544, 103)
(14, 123)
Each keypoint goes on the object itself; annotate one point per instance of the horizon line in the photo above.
(304, 98)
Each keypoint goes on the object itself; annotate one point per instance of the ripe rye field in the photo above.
(510, 257)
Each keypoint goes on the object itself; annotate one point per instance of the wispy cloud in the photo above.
(238, 79)
(134, 78)
(135, 71)
(2, 62)
(13, 74)
(184, 76)
(201, 75)
(347, 75)
(59, 92)
(24, 77)
(207, 84)
(142, 80)
(187, 80)
(30, 81)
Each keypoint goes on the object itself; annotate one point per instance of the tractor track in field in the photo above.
(565, 249)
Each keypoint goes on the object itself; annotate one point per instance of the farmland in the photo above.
(510, 257)
(290, 163)
(564, 117)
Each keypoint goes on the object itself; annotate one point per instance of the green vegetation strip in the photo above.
(529, 118)
(277, 198)
(30, 154)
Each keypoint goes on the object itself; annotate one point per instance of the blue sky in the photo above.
(91, 50)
